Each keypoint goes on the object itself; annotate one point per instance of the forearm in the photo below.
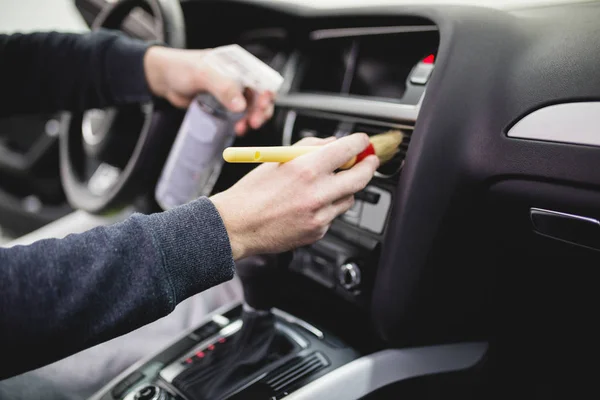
(44, 72)
(58, 297)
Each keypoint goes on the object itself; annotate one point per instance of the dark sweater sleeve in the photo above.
(60, 296)
(52, 71)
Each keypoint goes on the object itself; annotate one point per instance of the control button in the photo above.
(321, 262)
(206, 331)
(349, 276)
(574, 229)
(147, 393)
(367, 196)
(119, 390)
(374, 216)
(151, 393)
(367, 242)
(430, 59)
(421, 73)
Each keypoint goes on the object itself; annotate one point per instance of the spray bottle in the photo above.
(194, 162)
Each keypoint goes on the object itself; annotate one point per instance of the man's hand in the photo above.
(179, 75)
(278, 207)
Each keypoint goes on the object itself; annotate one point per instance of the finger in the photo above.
(265, 99)
(260, 110)
(315, 141)
(337, 208)
(257, 118)
(348, 182)
(268, 112)
(179, 101)
(229, 92)
(335, 154)
(257, 114)
(342, 205)
(241, 127)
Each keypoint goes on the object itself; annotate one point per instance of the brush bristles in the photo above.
(386, 145)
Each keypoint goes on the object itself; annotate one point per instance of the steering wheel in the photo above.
(110, 156)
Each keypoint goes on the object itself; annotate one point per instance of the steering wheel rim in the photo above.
(109, 188)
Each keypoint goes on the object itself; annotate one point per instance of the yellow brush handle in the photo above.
(280, 154)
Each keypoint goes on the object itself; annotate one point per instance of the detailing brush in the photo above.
(384, 146)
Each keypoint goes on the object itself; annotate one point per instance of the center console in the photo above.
(250, 351)
(339, 81)
(344, 261)
(367, 79)
(236, 355)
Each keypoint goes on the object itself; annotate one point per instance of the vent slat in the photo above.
(293, 366)
(295, 370)
(305, 372)
(392, 167)
(319, 124)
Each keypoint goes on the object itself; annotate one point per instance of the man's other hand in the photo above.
(278, 207)
(179, 75)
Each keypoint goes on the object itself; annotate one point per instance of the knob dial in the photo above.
(151, 393)
(349, 275)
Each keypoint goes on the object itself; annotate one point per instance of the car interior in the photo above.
(465, 268)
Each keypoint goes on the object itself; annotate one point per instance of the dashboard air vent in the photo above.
(373, 63)
(319, 124)
(393, 167)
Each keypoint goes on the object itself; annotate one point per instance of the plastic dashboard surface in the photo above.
(493, 67)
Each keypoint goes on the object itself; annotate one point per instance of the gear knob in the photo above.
(259, 277)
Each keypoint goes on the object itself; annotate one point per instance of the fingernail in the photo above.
(238, 103)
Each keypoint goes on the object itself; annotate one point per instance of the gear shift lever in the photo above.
(257, 345)
(259, 277)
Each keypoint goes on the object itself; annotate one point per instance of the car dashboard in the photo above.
(342, 76)
(455, 79)
(468, 228)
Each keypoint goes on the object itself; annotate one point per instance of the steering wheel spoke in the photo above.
(103, 178)
(96, 124)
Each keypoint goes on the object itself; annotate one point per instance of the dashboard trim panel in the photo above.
(355, 106)
(290, 119)
(369, 31)
(369, 373)
(574, 123)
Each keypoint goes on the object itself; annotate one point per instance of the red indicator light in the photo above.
(222, 340)
(189, 361)
(429, 59)
(211, 347)
(200, 354)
